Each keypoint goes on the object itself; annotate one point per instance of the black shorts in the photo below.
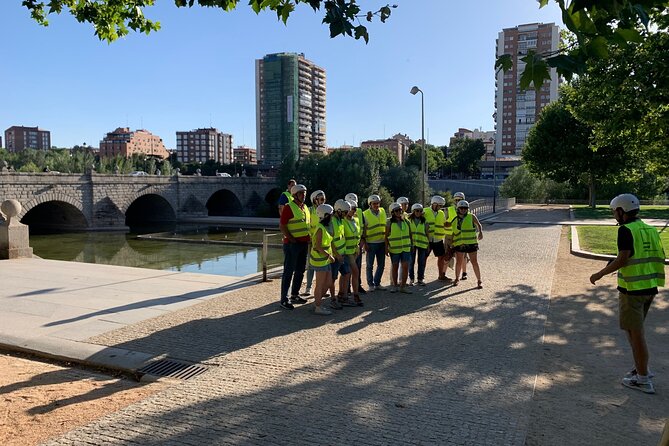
(437, 248)
(467, 248)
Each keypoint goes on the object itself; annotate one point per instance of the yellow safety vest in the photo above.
(313, 220)
(452, 213)
(417, 228)
(436, 222)
(645, 269)
(358, 217)
(375, 225)
(339, 235)
(352, 233)
(315, 257)
(399, 239)
(299, 225)
(288, 195)
(466, 233)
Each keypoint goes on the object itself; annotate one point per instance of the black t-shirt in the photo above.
(626, 243)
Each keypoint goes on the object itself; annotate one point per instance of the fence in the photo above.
(485, 206)
(265, 245)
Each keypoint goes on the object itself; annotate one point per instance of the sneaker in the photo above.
(297, 300)
(286, 305)
(361, 290)
(464, 276)
(632, 373)
(348, 302)
(420, 283)
(405, 290)
(380, 288)
(322, 311)
(635, 383)
(445, 279)
(410, 282)
(335, 305)
(307, 292)
(393, 289)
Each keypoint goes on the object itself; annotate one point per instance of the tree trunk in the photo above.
(591, 192)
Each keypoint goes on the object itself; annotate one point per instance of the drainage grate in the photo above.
(171, 368)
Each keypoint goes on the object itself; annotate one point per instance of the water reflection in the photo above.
(114, 248)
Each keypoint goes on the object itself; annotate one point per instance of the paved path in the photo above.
(443, 366)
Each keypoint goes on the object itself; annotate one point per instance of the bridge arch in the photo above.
(148, 209)
(54, 211)
(224, 202)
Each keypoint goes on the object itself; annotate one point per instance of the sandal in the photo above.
(357, 300)
(479, 286)
(455, 282)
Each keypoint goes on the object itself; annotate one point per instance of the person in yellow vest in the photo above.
(640, 266)
(398, 247)
(320, 256)
(317, 198)
(351, 197)
(467, 231)
(436, 220)
(295, 225)
(404, 202)
(286, 196)
(373, 239)
(449, 259)
(340, 268)
(420, 243)
(353, 231)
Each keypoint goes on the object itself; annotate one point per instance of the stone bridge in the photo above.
(98, 201)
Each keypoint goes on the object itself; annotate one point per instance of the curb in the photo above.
(575, 249)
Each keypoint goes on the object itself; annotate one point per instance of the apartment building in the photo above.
(19, 138)
(488, 138)
(202, 145)
(516, 110)
(125, 142)
(290, 108)
(244, 155)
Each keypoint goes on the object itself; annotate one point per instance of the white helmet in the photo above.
(416, 207)
(438, 200)
(458, 196)
(341, 205)
(351, 197)
(352, 203)
(323, 210)
(627, 202)
(298, 188)
(403, 200)
(315, 194)
(463, 204)
(393, 207)
(373, 199)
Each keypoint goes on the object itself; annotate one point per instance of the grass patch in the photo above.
(603, 239)
(604, 212)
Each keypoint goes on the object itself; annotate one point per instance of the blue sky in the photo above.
(199, 70)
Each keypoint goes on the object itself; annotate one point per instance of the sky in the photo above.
(199, 70)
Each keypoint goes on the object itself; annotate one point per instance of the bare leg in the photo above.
(459, 258)
(637, 341)
(394, 270)
(321, 286)
(473, 256)
(405, 273)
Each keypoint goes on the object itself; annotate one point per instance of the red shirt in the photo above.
(286, 215)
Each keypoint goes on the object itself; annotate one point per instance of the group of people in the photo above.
(328, 243)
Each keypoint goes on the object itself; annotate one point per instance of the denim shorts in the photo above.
(340, 267)
(320, 269)
(401, 257)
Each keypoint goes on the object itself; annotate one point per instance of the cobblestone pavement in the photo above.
(442, 366)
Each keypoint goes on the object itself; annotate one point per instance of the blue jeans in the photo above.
(421, 254)
(378, 251)
(294, 263)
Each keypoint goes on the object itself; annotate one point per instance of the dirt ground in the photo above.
(40, 400)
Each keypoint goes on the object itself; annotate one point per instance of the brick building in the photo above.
(19, 138)
(123, 141)
(202, 145)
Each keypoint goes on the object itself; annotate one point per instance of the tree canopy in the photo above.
(465, 155)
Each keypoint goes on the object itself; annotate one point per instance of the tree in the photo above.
(523, 185)
(465, 155)
(434, 157)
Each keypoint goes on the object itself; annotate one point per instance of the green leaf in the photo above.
(503, 62)
(542, 3)
(536, 71)
(361, 31)
(598, 47)
(629, 34)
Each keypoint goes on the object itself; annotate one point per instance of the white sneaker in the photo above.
(632, 373)
(380, 288)
(322, 310)
(635, 383)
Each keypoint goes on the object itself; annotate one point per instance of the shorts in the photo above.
(437, 248)
(400, 257)
(340, 267)
(633, 310)
(467, 248)
(320, 269)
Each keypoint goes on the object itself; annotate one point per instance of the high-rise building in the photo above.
(124, 142)
(20, 138)
(290, 108)
(244, 155)
(202, 145)
(517, 110)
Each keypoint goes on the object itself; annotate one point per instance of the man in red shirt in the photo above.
(295, 227)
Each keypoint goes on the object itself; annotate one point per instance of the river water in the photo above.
(184, 249)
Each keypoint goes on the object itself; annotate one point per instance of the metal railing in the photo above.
(265, 245)
(486, 206)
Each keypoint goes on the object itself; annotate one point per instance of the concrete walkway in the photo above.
(445, 365)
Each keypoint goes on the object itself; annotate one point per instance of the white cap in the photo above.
(416, 207)
(298, 188)
(403, 200)
(627, 202)
(351, 197)
(394, 206)
(315, 194)
(322, 210)
(463, 204)
(342, 205)
(373, 199)
(459, 195)
(438, 200)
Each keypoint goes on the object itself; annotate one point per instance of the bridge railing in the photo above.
(265, 250)
(486, 206)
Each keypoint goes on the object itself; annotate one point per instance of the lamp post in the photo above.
(423, 169)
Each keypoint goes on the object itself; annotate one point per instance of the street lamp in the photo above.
(423, 170)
